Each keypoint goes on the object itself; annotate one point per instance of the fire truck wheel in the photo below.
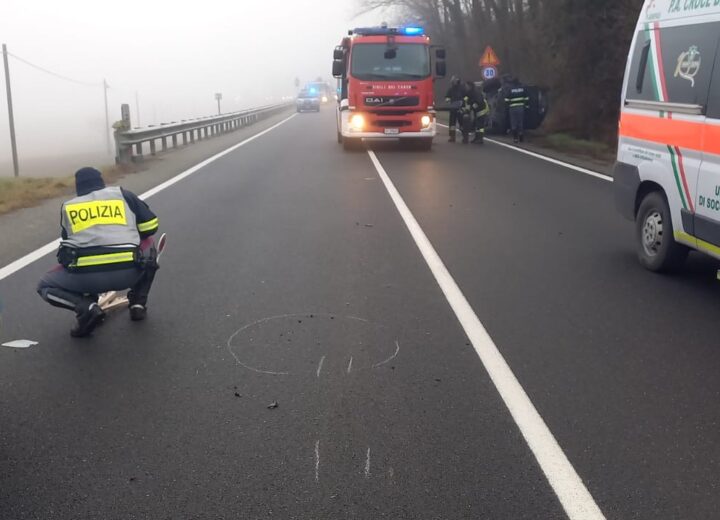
(422, 144)
(352, 143)
(339, 137)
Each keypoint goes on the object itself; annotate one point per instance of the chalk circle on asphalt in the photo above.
(312, 344)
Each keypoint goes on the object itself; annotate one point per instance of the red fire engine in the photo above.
(385, 85)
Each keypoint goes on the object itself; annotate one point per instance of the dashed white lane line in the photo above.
(564, 480)
(367, 464)
(40, 252)
(548, 159)
(320, 364)
(317, 460)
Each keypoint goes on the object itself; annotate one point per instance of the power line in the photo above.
(65, 78)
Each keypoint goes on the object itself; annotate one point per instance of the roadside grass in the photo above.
(25, 192)
(575, 146)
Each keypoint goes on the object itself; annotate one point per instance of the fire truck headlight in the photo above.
(425, 121)
(357, 122)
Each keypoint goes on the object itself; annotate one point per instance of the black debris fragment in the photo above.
(273, 405)
(237, 394)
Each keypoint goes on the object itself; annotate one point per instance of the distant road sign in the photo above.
(489, 58)
(489, 73)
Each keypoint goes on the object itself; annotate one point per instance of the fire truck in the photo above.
(385, 85)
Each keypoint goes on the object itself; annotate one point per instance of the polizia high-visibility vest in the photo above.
(101, 229)
(517, 97)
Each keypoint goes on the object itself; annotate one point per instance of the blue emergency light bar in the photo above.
(413, 31)
(386, 31)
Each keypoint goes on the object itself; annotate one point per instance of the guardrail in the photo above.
(129, 142)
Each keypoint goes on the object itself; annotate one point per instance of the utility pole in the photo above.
(218, 97)
(137, 108)
(11, 117)
(107, 118)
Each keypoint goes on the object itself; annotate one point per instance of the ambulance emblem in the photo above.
(688, 64)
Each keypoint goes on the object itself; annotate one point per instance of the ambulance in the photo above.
(667, 175)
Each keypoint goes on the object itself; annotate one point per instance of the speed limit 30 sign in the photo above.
(489, 72)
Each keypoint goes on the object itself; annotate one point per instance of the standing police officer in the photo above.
(105, 247)
(454, 95)
(518, 101)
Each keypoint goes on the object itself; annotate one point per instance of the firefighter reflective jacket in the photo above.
(103, 229)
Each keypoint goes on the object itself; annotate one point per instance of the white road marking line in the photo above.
(40, 252)
(349, 365)
(322, 360)
(549, 159)
(367, 464)
(317, 460)
(562, 477)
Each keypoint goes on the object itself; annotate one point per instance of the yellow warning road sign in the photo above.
(489, 58)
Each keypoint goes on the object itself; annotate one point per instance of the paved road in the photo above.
(291, 278)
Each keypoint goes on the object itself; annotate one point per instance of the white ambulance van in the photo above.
(667, 176)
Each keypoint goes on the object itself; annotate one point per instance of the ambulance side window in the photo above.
(640, 84)
(713, 110)
(675, 65)
(688, 56)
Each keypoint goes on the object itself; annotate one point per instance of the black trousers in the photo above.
(517, 120)
(453, 121)
(76, 290)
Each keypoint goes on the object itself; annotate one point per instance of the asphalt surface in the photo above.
(290, 279)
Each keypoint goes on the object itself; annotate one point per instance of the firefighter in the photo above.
(474, 111)
(517, 101)
(106, 246)
(454, 96)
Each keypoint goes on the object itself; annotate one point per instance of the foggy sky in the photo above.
(175, 54)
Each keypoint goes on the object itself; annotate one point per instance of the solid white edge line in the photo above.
(31, 257)
(564, 480)
(548, 159)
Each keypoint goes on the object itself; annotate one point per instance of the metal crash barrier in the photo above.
(129, 141)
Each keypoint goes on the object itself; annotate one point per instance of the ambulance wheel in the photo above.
(351, 144)
(339, 137)
(656, 246)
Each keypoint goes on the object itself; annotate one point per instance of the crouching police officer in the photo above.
(453, 96)
(106, 246)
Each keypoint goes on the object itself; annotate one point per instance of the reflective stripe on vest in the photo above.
(108, 258)
(101, 218)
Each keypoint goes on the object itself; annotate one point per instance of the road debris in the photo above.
(273, 405)
(20, 343)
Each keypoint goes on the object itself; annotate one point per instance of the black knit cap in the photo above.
(88, 180)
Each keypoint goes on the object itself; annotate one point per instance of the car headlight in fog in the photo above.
(357, 122)
(425, 121)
